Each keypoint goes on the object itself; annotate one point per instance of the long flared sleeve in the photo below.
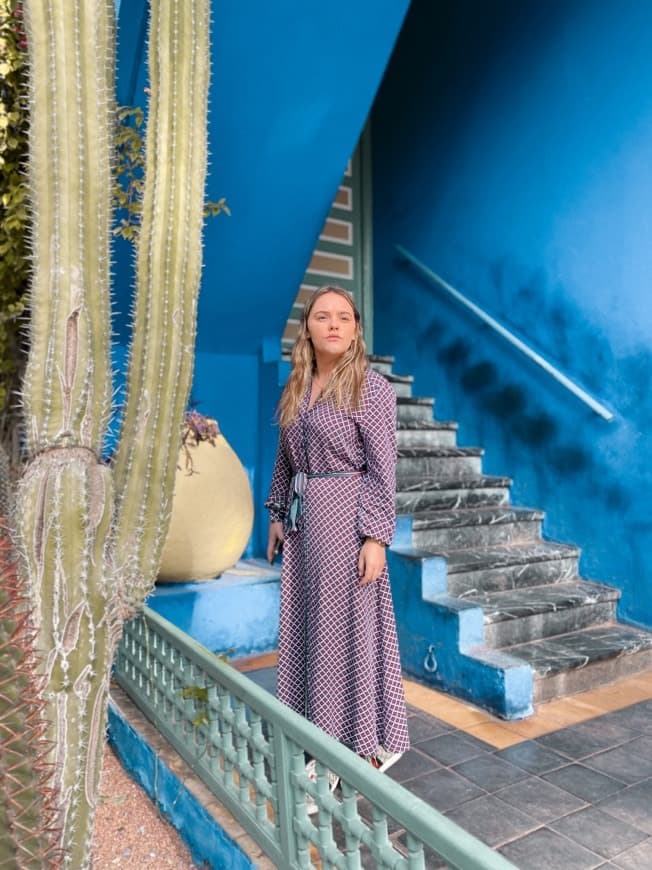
(377, 425)
(276, 502)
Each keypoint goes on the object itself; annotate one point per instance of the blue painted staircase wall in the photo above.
(292, 85)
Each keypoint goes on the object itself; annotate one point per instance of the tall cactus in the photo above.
(90, 536)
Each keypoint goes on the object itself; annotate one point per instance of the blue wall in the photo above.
(292, 85)
(513, 155)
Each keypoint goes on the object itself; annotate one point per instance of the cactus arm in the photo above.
(64, 504)
(67, 384)
(168, 276)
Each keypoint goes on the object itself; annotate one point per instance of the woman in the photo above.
(331, 509)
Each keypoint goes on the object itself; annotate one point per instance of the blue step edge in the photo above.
(441, 637)
(208, 842)
(235, 614)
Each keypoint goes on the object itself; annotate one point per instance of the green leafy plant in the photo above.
(130, 165)
(14, 265)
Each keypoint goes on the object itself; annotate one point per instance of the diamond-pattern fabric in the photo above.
(338, 654)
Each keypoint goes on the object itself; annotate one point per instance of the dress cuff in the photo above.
(276, 512)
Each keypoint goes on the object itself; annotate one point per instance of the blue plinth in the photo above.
(235, 614)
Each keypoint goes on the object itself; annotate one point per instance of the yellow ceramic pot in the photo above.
(212, 513)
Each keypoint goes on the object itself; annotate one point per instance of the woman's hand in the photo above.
(372, 560)
(274, 541)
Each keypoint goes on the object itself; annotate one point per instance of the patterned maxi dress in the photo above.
(338, 654)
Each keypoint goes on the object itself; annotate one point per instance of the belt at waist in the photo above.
(298, 487)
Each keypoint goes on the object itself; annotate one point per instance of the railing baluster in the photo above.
(249, 749)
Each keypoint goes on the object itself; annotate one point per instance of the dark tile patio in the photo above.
(577, 797)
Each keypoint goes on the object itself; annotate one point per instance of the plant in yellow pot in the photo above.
(212, 509)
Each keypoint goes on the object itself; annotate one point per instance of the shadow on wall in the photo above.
(555, 328)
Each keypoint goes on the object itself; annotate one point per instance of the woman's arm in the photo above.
(376, 514)
(276, 501)
(377, 424)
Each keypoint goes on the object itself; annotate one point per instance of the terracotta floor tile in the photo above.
(533, 727)
(254, 663)
(596, 698)
(444, 707)
(550, 716)
(497, 735)
(645, 680)
(567, 712)
(467, 717)
(618, 696)
(581, 702)
(422, 697)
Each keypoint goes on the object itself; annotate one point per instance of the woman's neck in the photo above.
(323, 370)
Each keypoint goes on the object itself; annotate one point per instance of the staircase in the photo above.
(486, 608)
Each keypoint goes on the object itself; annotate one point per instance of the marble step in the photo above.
(523, 615)
(414, 408)
(402, 384)
(428, 493)
(382, 364)
(477, 528)
(492, 569)
(426, 433)
(443, 462)
(581, 660)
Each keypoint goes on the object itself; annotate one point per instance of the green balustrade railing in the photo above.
(250, 750)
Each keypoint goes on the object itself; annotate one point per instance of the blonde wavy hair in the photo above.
(346, 383)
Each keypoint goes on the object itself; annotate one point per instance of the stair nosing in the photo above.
(397, 379)
(510, 514)
(425, 452)
(517, 552)
(553, 672)
(603, 594)
(415, 400)
(426, 425)
(480, 481)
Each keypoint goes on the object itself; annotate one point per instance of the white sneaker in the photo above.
(382, 760)
(311, 773)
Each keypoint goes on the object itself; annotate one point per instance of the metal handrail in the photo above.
(248, 748)
(543, 363)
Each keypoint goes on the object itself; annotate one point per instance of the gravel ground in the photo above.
(129, 831)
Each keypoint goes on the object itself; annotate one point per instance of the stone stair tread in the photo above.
(423, 482)
(415, 400)
(577, 649)
(398, 379)
(427, 425)
(499, 556)
(379, 358)
(530, 601)
(443, 452)
(438, 519)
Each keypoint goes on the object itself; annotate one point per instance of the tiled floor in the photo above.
(567, 789)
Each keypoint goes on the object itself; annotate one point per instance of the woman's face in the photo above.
(331, 326)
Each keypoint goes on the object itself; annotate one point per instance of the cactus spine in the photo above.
(168, 274)
(89, 558)
(27, 811)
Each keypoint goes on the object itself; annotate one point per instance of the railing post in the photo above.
(285, 807)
